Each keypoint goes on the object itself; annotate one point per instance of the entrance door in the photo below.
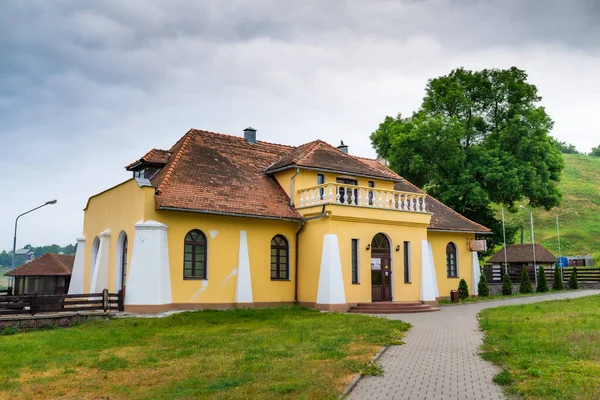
(381, 271)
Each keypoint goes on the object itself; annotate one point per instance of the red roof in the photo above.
(154, 156)
(516, 253)
(48, 264)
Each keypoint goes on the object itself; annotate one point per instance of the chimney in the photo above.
(343, 147)
(250, 135)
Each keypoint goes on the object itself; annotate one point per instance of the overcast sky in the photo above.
(87, 87)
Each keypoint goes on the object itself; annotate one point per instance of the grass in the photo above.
(495, 297)
(548, 350)
(4, 279)
(579, 213)
(279, 353)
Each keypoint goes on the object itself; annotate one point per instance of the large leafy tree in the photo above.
(479, 137)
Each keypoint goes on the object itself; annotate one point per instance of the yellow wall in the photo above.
(439, 241)
(117, 209)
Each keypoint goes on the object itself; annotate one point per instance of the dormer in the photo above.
(150, 164)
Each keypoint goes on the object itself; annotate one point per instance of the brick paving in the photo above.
(440, 358)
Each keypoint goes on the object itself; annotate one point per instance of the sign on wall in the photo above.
(477, 245)
(376, 264)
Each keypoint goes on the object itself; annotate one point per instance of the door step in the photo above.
(392, 308)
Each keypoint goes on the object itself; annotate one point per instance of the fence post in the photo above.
(105, 299)
(121, 300)
(32, 304)
(9, 291)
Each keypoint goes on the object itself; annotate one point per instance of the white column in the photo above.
(429, 287)
(476, 273)
(243, 288)
(149, 280)
(76, 285)
(99, 279)
(331, 282)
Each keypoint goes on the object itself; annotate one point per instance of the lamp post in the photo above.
(533, 246)
(48, 203)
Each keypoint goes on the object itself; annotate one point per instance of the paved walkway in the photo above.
(439, 359)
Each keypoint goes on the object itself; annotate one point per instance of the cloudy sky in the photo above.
(88, 86)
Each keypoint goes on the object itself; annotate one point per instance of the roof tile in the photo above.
(48, 264)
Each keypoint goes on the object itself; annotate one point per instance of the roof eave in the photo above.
(230, 214)
(460, 231)
(292, 166)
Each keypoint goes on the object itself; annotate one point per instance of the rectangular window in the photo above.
(355, 261)
(407, 277)
(320, 181)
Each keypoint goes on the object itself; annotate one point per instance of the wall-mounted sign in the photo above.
(376, 264)
(477, 245)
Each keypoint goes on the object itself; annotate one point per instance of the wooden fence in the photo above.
(37, 303)
(496, 274)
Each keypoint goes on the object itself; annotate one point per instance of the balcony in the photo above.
(360, 196)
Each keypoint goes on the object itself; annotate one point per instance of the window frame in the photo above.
(355, 261)
(278, 264)
(406, 258)
(194, 245)
(451, 250)
(321, 181)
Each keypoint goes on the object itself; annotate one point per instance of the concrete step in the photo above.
(390, 307)
(405, 311)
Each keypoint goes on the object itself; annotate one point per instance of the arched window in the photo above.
(194, 255)
(280, 266)
(451, 264)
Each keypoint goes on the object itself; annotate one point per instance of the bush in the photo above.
(525, 282)
(463, 289)
(482, 287)
(573, 280)
(542, 284)
(557, 283)
(506, 285)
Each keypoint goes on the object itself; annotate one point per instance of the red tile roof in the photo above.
(516, 253)
(154, 156)
(443, 218)
(323, 156)
(218, 173)
(48, 264)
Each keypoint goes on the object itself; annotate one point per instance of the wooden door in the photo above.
(381, 279)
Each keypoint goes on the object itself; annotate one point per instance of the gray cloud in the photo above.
(86, 87)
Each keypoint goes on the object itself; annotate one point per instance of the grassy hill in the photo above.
(579, 214)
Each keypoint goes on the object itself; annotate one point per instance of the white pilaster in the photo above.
(429, 287)
(331, 282)
(243, 288)
(76, 285)
(149, 280)
(99, 279)
(476, 273)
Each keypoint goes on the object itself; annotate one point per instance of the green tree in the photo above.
(557, 283)
(506, 285)
(483, 290)
(595, 151)
(542, 283)
(566, 148)
(478, 138)
(463, 289)
(573, 284)
(525, 287)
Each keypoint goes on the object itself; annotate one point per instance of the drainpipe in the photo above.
(292, 187)
(303, 224)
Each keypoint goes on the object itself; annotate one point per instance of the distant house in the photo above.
(577, 261)
(49, 274)
(518, 256)
(27, 254)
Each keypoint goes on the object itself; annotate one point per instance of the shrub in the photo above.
(463, 289)
(557, 283)
(573, 280)
(506, 285)
(525, 282)
(542, 284)
(482, 287)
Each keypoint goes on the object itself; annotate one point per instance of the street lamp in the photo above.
(48, 203)
(532, 245)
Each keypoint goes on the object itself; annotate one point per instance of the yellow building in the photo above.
(220, 221)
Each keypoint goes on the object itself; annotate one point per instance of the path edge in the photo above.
(359, 376)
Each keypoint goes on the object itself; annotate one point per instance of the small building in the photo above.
(27, 254)
(518, 256)
(576, 261)
(49, 274)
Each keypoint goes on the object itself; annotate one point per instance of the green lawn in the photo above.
(548, 350)
(255, 353)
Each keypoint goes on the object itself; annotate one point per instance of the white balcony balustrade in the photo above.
(360, 196)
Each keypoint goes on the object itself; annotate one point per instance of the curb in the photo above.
(359, 376)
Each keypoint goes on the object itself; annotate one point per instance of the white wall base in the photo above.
(243, 288)
(331, 282)
(76, 285)
(99, 279)
(476, 273)
(149, 280)
(429, 287)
